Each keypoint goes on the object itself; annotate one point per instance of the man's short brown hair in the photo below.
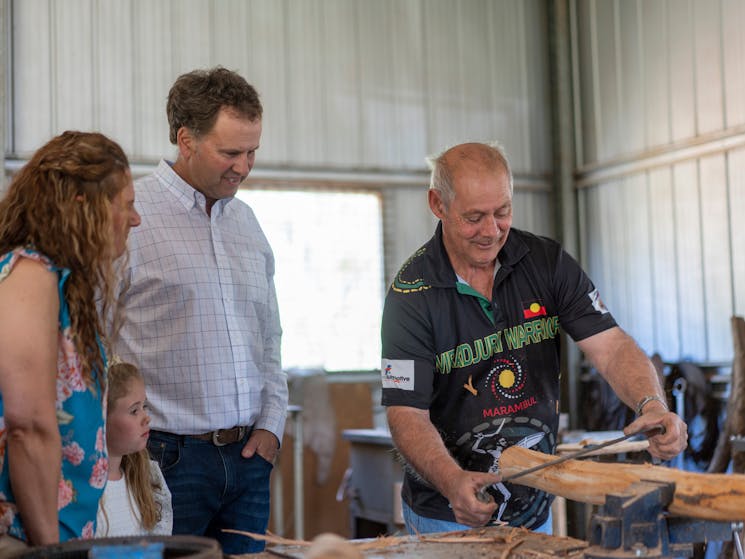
(196, 98)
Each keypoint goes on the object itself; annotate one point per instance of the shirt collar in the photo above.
(439, 271)
(185, 193)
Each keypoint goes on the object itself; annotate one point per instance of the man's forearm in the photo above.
(633, 376)
(422, 447)
(624, 365)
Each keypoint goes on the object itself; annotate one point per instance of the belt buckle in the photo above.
(216, 438)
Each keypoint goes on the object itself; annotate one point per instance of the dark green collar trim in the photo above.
(465, 289)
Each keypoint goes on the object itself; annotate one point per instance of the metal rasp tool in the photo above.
(649, 432)
(484, 497)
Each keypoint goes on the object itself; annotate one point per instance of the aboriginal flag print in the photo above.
(533, 309)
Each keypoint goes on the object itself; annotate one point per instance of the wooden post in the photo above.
(735, 421)
(736, 403)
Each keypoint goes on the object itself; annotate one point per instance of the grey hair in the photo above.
(441, 180)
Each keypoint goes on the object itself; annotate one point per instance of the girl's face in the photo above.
(128, 422)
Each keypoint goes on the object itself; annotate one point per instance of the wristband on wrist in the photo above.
(644, 401)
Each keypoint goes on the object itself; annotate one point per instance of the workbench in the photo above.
(495, 542)
(374, 484)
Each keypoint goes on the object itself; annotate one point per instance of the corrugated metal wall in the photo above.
(661, 163)
(348, 85)
(364, 89)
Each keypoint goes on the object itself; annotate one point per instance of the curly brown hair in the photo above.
(196, 98)
(59, 204)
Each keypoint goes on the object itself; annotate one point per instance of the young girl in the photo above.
(136, 500)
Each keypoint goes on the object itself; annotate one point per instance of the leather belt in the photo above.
(221, 437)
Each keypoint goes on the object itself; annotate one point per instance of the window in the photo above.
(329, 274)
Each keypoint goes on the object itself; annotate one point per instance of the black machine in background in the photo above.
(697, 392)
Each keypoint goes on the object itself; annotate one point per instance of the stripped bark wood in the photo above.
(736, 403)
(625, 446)
(697, 495)
(734, 423)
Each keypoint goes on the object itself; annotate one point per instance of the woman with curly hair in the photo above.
(63, 224)
(136, 501)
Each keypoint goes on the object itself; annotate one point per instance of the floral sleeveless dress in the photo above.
(80, 414)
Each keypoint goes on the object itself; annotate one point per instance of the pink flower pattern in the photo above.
(100, 473)
(69, 379)
(100, 440)
(81, 417)
(65, 493)
(3, 437)
(7, 512)
(73, 453)
(87, 531)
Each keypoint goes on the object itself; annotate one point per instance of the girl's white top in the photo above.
(123, 515)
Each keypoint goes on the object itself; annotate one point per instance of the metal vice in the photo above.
(636, 524)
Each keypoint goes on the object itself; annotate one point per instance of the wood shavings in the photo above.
(462, 539)
(531, 545)
(269, 537)
(515, 532)
(380, 542)
(509, 548)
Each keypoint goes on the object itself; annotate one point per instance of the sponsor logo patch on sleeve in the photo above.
(397, 373)
(597, 302)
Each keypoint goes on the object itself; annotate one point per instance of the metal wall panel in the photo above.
(736, 188)
(533, 211)
(114, 111)
(708, 66)
(153, 34)
(341, 98)
(681, 50)
(654, 71)
(346, 84)
(689, 263)
(637, 251)
(664, 310)
(662, 106)
(630, 76)
(392, 120)
(733, 67)
(533, 30)
(608, 78)
(256, 48)
(33, 115)
(715, 228)
(305, 94)
(73, 57)
(675, 65)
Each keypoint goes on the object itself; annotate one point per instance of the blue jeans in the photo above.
(423, 525)
(214, 487)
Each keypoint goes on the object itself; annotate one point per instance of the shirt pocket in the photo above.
(250, 282)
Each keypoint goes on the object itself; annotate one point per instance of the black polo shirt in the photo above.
(487, 370)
